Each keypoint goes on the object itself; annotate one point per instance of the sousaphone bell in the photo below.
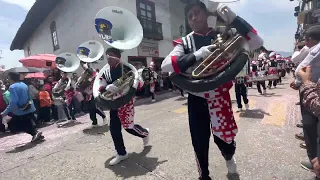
(66, 62)
(118, 28)
(88, 52)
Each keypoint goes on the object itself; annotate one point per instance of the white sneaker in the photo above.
(247, 106)
(153, 100)
(104, 121)
(232, 166)
(239, 109)
(118, 159)
(146, 139)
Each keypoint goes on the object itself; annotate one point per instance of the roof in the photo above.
(36, 15)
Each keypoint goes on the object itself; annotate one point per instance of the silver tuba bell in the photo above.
(120, 29)
(66, 62)
(227, 59)
(88, 52)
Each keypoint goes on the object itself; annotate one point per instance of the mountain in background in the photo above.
(284, 54)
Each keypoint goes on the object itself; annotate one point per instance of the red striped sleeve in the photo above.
(176, 42)
(174, 62)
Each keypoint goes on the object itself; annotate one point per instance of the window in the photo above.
(318, 4)
(54, 36)
(146, 13)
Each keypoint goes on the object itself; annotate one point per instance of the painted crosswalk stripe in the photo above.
(277, 114)
(181, 110)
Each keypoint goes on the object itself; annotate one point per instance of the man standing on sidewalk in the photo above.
(22, 108)
(309, 121)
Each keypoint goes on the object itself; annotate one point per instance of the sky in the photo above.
(273, 19)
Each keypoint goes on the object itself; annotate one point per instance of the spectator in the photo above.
(309, 120)
(3, 105)
(22, 108)
(45, 105)
(48, 84)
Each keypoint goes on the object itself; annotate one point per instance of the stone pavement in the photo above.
(266, 147)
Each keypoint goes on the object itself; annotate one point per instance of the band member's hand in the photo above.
(111, 88)
(84, 65)
(204, 52)
(293, 85)
(305, 74)
(226, 13)
(316, 166)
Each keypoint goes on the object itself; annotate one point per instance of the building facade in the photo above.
(308, 14)
(70, 23)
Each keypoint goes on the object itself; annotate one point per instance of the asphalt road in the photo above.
(266, 147)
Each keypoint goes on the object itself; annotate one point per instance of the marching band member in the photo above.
(124, 115)
(153, 81)
(279, 67)
(206, 110)
(69, 92)
(93, 109)
(272, 66)
(261, 71)
(241, 87)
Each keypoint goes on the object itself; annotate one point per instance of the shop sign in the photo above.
(148, 49)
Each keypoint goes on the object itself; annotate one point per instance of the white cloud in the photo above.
(26, 4)
(275, 34)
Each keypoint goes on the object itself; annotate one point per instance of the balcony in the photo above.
(151, 29)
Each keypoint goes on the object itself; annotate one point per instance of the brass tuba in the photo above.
(118, 28)
(227, 59)
(66, 62)
(88, 52)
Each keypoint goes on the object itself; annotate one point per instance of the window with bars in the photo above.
(54, 36)
(318, 4)
(146, 13)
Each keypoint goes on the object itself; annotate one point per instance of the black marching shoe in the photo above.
(300, 136)
(205, 178)
(303, 145)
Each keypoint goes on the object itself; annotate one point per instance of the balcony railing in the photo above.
(151, 29)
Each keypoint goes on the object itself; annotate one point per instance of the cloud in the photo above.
(273, 19)
(26, 4)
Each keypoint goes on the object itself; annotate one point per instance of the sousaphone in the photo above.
(228, 58)
(118, 28)
(66, 62)
(88, 52)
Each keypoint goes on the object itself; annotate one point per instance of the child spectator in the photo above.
(45, 105)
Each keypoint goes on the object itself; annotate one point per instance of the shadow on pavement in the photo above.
(101, 130)
(266, 95)
(128, 168)
(254, 114)
(159, 98)
(181, 99)
(68, 124)
(23, 147)
(233, 176)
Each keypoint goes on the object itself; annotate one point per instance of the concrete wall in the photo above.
(75, 25)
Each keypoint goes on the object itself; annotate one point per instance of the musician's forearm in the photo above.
(247, 31)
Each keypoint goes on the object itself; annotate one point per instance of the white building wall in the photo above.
(75, 25)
